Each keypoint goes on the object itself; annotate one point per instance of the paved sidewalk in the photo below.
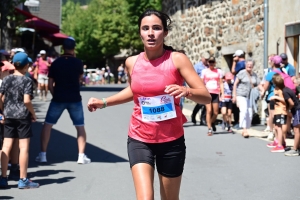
(255, 131)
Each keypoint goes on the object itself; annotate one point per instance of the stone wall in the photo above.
(218, 27)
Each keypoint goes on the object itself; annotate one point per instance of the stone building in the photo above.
(222, 26)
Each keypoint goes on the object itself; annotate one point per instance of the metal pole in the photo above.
(266, 20)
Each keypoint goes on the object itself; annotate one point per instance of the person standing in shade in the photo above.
(199, 67)
(64, 84)
(16, 93)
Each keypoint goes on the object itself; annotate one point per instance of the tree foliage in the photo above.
(105, 27)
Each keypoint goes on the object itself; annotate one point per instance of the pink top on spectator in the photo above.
(211, 79)
(43, 67)
(7, 66)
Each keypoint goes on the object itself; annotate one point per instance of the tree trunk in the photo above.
(5, 40)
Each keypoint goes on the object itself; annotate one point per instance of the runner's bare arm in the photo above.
(198, 91)
(123, 96)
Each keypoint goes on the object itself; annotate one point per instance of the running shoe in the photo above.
(272, 145)
(278, 149)
(213, 127)
(83, 160)
(3, 182)
(27, 184)
(41, 158)
(209, 132)
(229, 129)
(292, 152)
(267, 129)
(271, 136)
(224, 125)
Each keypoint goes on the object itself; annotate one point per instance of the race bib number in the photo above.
(158, 108)
(212, 84)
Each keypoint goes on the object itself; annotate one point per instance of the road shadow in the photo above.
(6, 197)
(63, 147)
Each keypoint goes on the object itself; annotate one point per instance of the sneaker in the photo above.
(224, 125)
(27, 184)
(83, 160)
(237, 127)
(213, 127)
(210, 132)
(278, 149)
(267, 129)
(271, 136)
(41, 158)
(272, 145)
(3, 182)
(229, 129)
(292, 152)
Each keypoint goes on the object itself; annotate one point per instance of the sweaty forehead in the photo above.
(151, 20)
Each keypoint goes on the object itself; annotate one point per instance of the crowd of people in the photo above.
(104, 76)
(61, 77)
(238, 91)
(156, 134)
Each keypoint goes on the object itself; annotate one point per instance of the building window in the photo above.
(34, 9)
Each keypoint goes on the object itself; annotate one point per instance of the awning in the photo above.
(45, 28)
(39, 24)
(55, 38)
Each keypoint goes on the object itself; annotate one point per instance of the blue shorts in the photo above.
(56, 109)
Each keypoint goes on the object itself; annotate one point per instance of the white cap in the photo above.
(238, 53)
(19, 50)
(42, 52)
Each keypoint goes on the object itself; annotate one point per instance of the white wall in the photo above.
(280, 13)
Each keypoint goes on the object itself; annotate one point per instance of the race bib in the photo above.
(212, 84)
(158, 108)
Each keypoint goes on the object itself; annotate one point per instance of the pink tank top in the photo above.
(43, 67)
(149, 79)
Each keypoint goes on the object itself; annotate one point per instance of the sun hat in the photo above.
(229, 76)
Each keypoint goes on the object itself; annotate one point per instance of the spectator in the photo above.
(64, 83)
(287, 67)
(41, 72)
(237, 65)
(17, 92)
(199, 67)
(245, 80)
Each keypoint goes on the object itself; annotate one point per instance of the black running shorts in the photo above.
(280, 119)
(17, 128)
(169, 156)
(214, 98)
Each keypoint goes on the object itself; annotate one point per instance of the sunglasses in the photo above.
(211, 61)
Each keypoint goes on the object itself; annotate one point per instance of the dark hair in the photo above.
(278, 81)
(165, 20)
(18, 66)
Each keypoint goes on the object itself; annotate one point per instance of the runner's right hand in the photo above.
(93, 104)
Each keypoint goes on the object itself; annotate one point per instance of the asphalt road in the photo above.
(224, 166)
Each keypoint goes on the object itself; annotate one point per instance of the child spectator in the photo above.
(17, 91)
(280, 114)
(294, 108)
(226, 104)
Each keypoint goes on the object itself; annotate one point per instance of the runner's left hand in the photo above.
(176, 90)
